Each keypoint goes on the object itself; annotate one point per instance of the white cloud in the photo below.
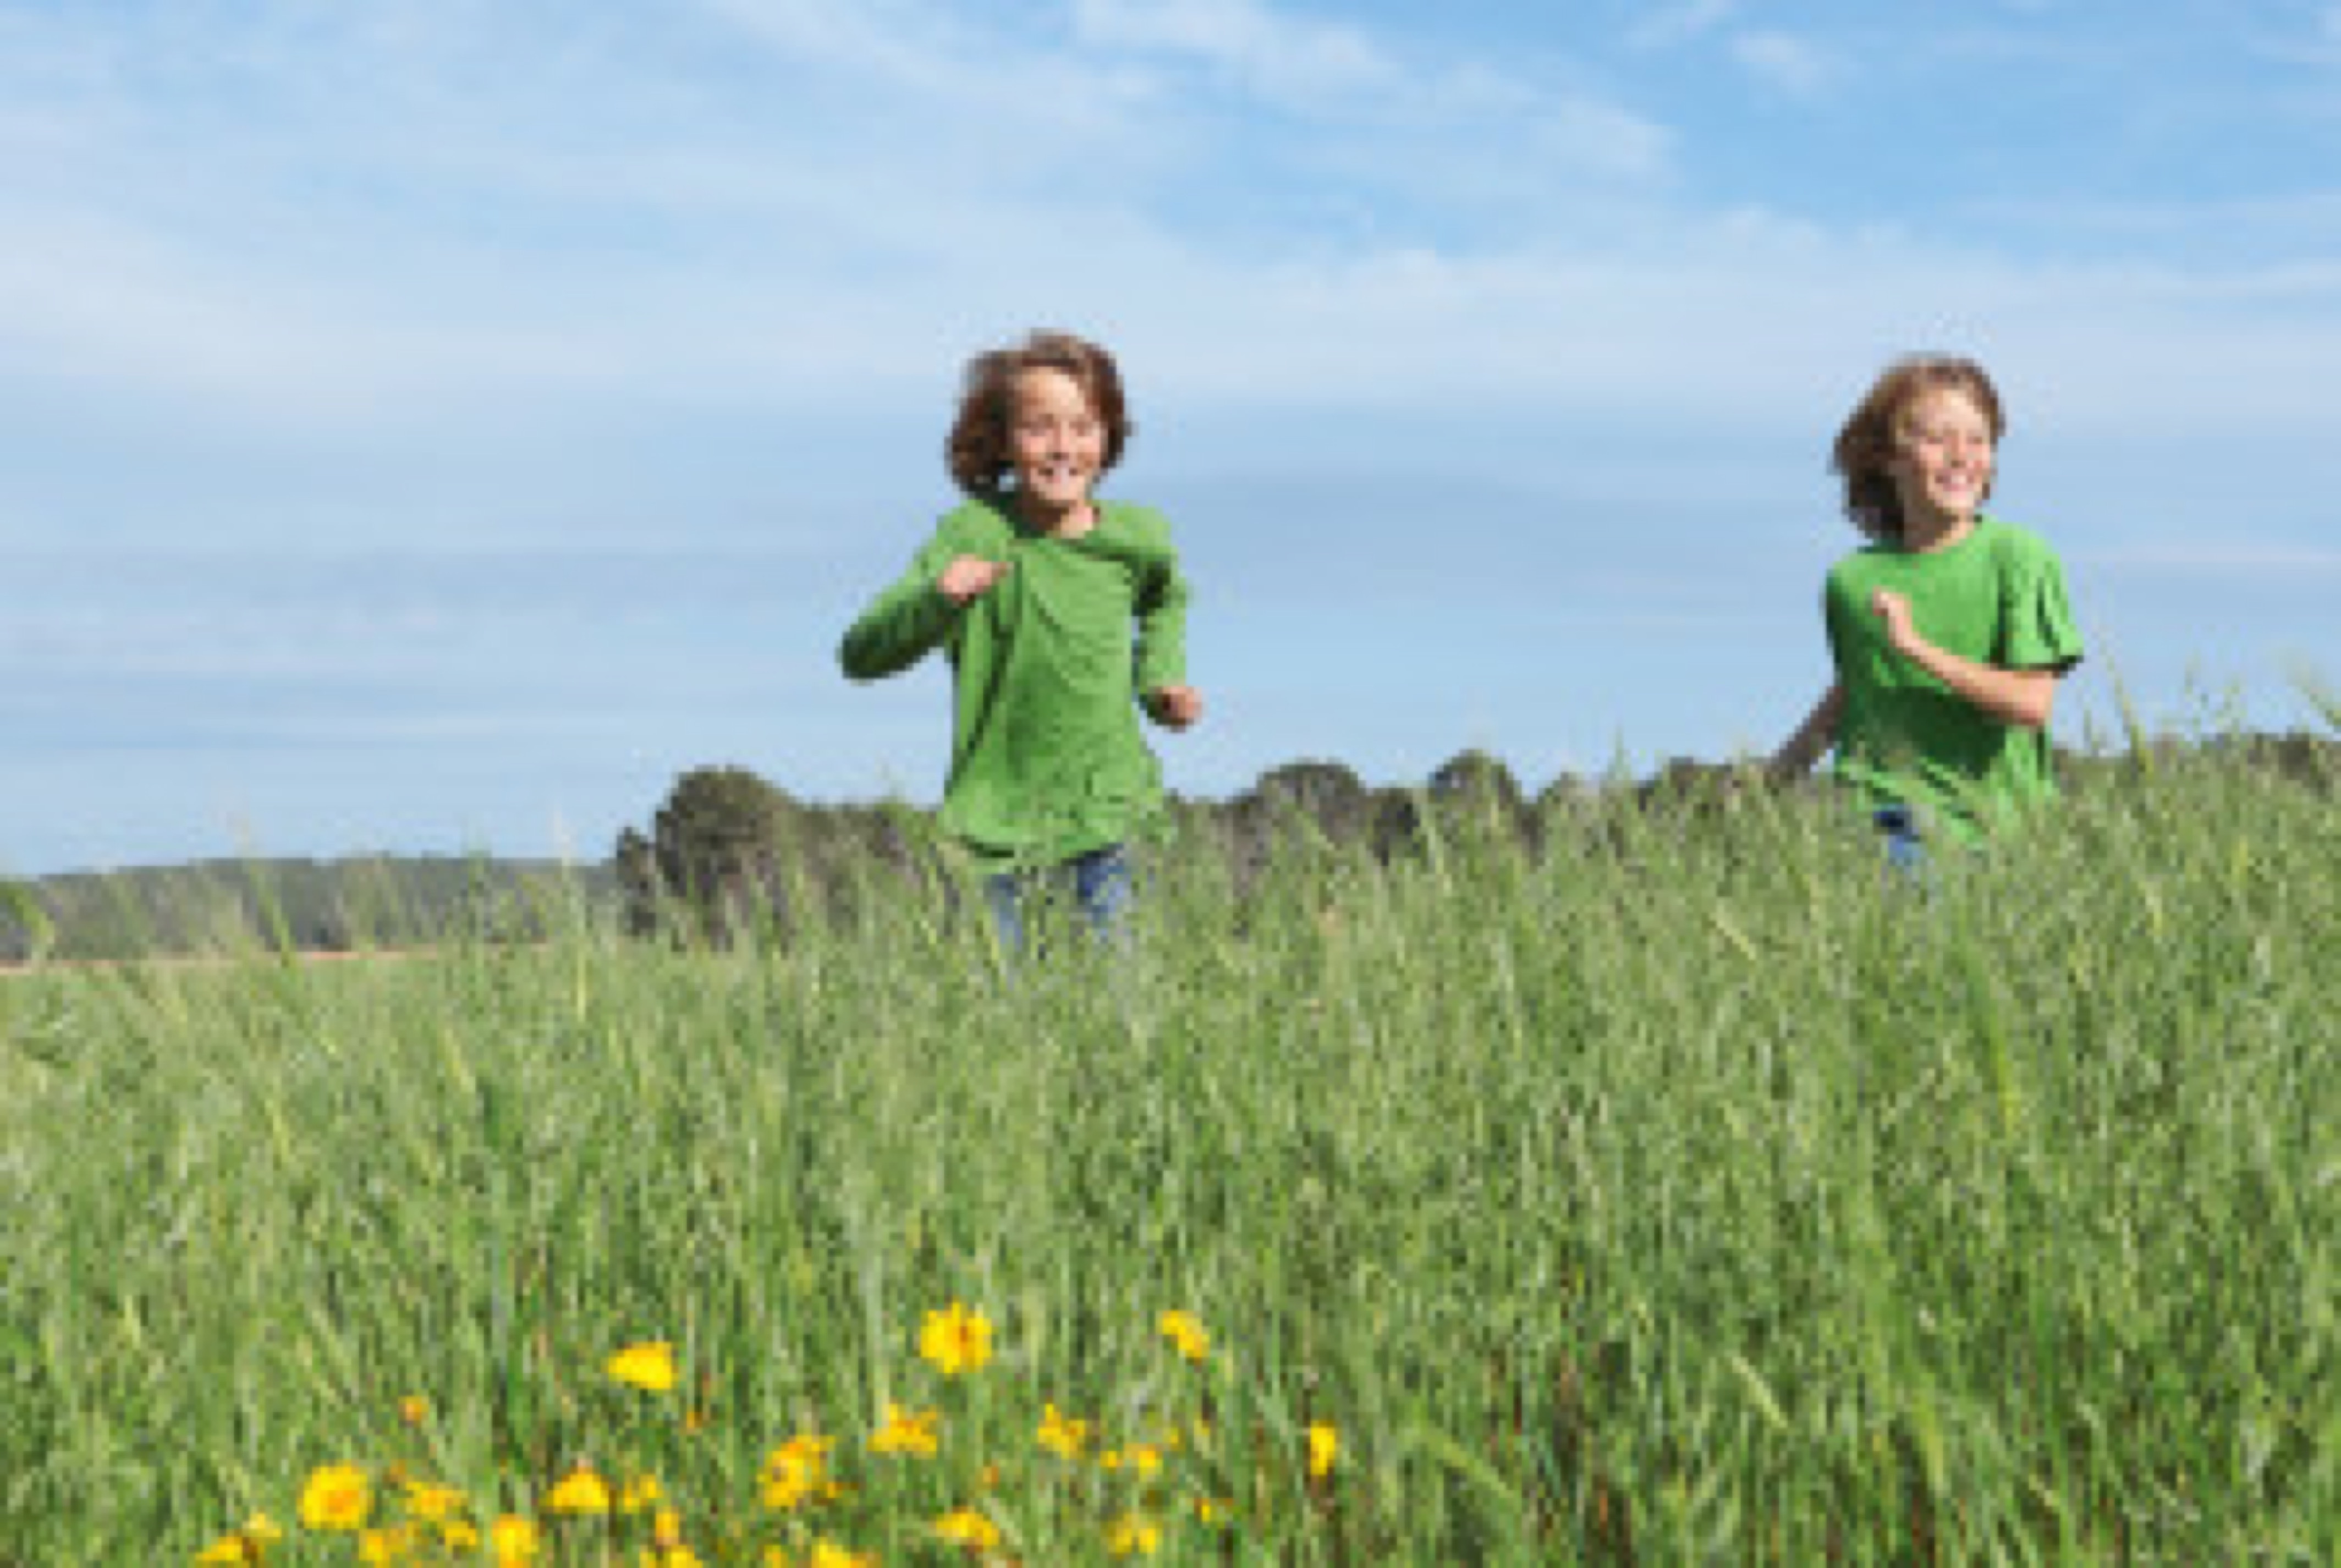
(1663, 26)
(1281, 56)
(1792, 65)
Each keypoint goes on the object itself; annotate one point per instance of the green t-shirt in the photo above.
(1996, 597)
(1048, 761)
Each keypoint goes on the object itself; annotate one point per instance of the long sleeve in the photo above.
(906, 621)
(1161, 655)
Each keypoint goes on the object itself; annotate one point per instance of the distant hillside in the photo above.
(332, 905)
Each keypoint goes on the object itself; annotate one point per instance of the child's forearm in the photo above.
(1813, 738)
(897, 630)
(2021, 698)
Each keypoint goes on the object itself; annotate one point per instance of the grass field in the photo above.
(1685, 1194)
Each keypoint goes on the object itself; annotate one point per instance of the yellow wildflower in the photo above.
(1324, 1448)
(827, 1554)
(1133, 1536)
(966, 1527)
(956, 1340)
(907, 1431)
(648, 1366)
(514, 1540)
(1185, 1330)
(579, 1491)
(337, 1497)
(1061, 1435)
(795, 1473)
(666, 1528)
(640, 1493)
(1214, 1510)
(431, 1503)
(459, 1535)
(392, 1543)
(677, 1556)
(247, 1545)
(414, 1410)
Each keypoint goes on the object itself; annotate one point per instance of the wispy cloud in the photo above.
(1790, 64)
(1282, 57)
(1664, 26)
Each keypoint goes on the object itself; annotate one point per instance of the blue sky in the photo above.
(434, 426)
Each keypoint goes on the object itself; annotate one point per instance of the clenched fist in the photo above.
(969, 577)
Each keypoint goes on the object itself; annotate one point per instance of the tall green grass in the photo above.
(1688, 1191)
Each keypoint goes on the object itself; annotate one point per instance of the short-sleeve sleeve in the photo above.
(2037, 628)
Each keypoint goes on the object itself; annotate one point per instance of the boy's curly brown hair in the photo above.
(1873, 434)
(977, 452)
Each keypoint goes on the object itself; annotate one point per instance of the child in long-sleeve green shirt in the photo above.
(1061, 615)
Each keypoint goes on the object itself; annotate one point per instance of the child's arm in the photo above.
(902, 624)
(2021, 698)
(1161, 655)
(1813, 738)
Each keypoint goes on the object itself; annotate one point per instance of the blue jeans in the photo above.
(1906, 847)
(1098, 883)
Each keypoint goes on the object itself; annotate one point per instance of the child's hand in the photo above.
(969, 577)
(1174, 706)
(1894, 609)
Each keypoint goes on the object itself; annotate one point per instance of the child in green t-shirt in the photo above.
(1033, 587)
(1949, 630)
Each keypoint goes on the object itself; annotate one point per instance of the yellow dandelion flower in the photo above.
(827, 1554)
(1133, 1536)
(231, 1548)
(1061, 1435)
(392, 1543)
(1324, 1448)
(579, 1491)
(956, 1340)
(907, 1431)
(796, 1473)
(459, 1535)
(666, 1528)
(648, 1366)
(337, 1497)
(676, 1556)
(1185, 1331)
(1144, 1458)
(414, 1410)
(639, 1493)
(432, 1503)
(514, 1540)
(249, 1545)
(966, 1527)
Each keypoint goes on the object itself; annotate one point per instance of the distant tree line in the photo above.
(286, 905)
(727, 850)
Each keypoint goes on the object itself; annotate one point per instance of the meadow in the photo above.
(1684, 1191)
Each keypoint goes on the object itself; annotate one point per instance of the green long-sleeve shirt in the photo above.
(1047, 757)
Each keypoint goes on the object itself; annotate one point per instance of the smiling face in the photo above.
(1942, 463)
(1056, 448)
